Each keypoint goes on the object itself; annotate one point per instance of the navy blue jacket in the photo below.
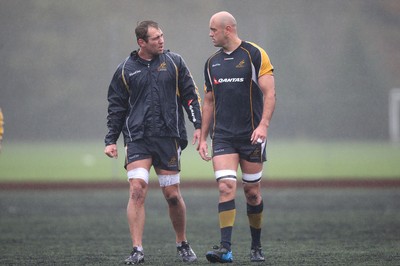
(147, 98)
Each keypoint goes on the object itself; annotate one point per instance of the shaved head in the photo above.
(223, 31)
(223, 19)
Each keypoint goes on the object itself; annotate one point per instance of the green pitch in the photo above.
(85, 161)
(301, 227)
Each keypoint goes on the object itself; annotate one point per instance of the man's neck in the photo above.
(232, 46)
(145, 56)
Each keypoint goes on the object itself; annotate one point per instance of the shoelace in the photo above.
(134, 251)
(185, 249)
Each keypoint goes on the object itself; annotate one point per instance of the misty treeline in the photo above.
(335, 61)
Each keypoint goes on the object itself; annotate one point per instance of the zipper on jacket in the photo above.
(153, 116)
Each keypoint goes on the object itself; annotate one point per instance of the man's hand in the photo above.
(203, 150)
(196, 136)
(111, 151)
(259, 135)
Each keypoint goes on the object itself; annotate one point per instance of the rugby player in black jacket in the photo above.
(146, 99)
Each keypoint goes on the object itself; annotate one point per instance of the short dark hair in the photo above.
(142, 29)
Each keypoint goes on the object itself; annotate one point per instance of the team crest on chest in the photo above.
(241, 64)
(162, 67)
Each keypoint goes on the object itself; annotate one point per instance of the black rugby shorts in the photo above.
(255, 153)
(165, 152)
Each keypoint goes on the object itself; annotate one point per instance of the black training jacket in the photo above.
(145, 99)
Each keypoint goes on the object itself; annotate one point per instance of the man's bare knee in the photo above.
(252, 198)
(252, 194)
(137, 192)
(173, 201)
(225, 188)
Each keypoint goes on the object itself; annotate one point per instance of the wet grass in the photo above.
(301, 227)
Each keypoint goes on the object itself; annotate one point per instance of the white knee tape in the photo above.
(251, 178)
(168, 180)
(140, 173)
(226, 174)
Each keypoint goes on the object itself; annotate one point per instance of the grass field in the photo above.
(57, 161)
(301, 227)
(323, 226)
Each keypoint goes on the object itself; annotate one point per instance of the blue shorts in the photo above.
(255, 153)
(165, 152)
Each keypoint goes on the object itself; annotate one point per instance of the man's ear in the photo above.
(141, 42)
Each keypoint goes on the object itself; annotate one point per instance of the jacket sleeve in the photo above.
(189, 94)
(118, 104)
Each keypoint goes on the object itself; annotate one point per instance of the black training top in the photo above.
(233, 80)
(147, 98)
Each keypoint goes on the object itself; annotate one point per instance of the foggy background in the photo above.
(335, 61)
